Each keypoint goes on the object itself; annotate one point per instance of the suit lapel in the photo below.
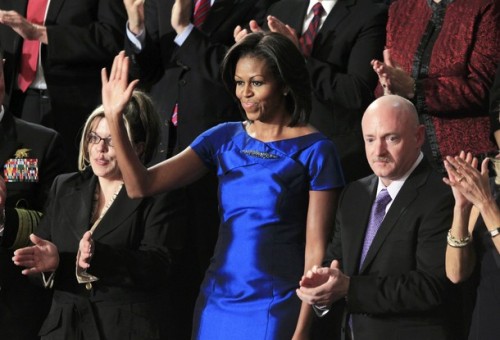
(353, 242)
(54, 8)
(294, 17)
(404, 199)
(339, 12)
(120, 210)
(220, 10)
(77, 205)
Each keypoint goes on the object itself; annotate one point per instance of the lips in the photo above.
(248, 105)
(101, 161)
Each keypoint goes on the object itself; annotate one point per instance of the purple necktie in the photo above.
(307, 39)
(376, 217)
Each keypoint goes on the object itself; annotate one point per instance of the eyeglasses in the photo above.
(96, 139)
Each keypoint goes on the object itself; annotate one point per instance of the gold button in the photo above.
(88, 286)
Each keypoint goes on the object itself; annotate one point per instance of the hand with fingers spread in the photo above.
(322, 286)
(39, 258)
(116, 90)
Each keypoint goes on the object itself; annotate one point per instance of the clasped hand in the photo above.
(322, 286)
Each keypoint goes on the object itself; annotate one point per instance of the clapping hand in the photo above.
(39, 258)
(393, 78)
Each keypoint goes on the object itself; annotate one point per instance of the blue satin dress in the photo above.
(249, 288)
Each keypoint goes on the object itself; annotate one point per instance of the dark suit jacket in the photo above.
(130, 259)
(343, 80)
(400, 292)
(189, 74)
(23, 306)
(84, 37)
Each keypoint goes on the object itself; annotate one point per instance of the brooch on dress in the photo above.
(259, 154)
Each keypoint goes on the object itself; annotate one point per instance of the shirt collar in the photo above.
(327, 5)
(1, 113)
(397, 184)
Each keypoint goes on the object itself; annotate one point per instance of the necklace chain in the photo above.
(108, 205)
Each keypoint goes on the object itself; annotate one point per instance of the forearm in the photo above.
(460, 260)
(491, 216)
(135, 175)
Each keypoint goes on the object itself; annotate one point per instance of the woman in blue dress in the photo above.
(278, 185)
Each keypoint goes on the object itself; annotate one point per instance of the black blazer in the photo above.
(343, 80)
(401, 290)
(130, 259)
(23, 306)
(84, 37)
(189, 75)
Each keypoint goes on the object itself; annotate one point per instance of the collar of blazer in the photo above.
(76, 203)
(403, 201)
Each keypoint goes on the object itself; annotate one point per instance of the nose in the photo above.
(102, 146)
(247, 90)
(380, 147)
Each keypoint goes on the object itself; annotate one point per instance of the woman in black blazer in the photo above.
(117, 289)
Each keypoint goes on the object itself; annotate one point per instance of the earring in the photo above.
(285, 93)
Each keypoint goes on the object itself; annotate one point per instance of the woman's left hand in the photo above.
(471, 183)
(116, 90)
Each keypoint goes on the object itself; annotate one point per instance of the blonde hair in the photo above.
(141, 121)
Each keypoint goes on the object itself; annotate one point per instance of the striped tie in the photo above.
(307, 39)
(200, 12)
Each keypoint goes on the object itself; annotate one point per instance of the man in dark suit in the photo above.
(77, 39)
(350, 34)
(389, 275)
(31, 157)
(177, 61)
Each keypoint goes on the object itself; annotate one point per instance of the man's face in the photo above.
(392, 141)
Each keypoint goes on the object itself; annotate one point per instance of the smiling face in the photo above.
(393, 138)
(102, 157)
(260, 94)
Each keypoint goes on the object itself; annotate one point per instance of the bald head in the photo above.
(393, 106)
(393, 137)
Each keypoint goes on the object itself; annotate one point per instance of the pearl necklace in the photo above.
(106, 207)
